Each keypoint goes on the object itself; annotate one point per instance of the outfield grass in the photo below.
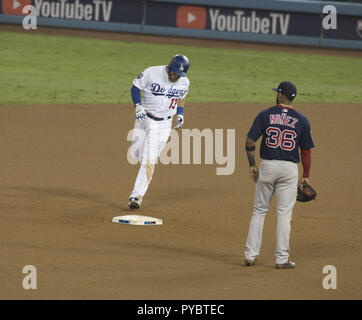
(44, 69)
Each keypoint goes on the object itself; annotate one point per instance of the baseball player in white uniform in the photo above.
(164, 91)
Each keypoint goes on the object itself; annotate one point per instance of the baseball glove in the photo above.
(305, 192)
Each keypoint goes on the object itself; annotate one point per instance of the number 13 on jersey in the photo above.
(173, 103)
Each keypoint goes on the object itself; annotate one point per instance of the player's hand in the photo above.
(140, 110)
(180, 121)
(304, 180)
(254, 173)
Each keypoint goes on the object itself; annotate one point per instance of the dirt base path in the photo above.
(64, 175)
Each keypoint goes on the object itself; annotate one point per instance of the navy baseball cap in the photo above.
(288, 89)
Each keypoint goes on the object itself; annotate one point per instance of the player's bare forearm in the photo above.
(250, 151)
(181, 103)
(251, 158)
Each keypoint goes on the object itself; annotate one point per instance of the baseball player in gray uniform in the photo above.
(284, 131)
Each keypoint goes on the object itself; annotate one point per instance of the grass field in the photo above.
(44, 69)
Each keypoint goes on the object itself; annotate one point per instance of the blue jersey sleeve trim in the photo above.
(256, 129)
(136, 95)
(306, 141)
(310, 146)
(249, 135)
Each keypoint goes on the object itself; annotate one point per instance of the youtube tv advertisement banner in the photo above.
(176, 15)
(250, 21)
(130, 11)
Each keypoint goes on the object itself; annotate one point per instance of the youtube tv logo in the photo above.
(14, 6)
(191, 17)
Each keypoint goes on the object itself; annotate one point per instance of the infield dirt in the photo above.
(64, 175)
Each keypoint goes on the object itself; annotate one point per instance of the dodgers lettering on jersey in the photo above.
(160, 95)
(284, 130)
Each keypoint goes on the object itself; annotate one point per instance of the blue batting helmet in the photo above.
(179, 65)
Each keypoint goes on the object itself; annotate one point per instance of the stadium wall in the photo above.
(294, 22)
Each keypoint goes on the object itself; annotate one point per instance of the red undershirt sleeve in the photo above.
(306, 162)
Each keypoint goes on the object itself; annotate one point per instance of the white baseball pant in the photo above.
(281, 178)
(148, 139)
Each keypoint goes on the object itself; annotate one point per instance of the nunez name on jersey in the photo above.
(283, 119)
(160, 95)
(284, 130)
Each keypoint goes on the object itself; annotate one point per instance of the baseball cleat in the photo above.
(287, 265)
(249, 262)
(134, 203)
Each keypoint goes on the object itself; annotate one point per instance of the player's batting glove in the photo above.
(180, 121)
(141, 113)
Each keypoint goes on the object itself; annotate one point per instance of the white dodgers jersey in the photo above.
(160, 95)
